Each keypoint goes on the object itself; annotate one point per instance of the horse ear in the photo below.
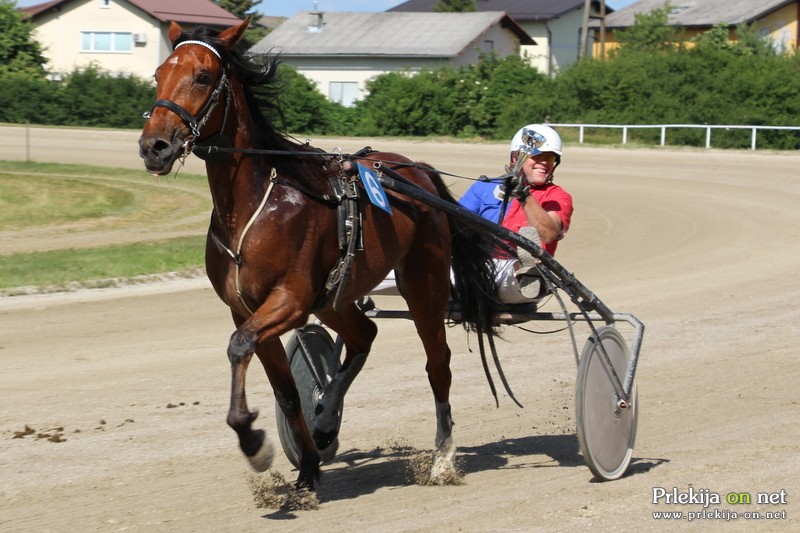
(233, 35)
(175, 31)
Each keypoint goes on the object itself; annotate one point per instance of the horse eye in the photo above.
(204, 79)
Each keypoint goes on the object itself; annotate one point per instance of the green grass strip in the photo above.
(60, 267)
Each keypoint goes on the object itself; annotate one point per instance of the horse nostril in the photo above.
(153, 145)
(160, 145)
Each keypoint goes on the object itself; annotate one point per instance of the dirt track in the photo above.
(703, 246)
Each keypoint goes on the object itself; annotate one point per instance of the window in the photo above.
(343, 92)
(106, 41)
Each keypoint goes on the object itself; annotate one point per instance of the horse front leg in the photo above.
(260, 334)
(254, 444)
(279, 373)
(358, 332)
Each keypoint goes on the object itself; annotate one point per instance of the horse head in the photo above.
(191, 96)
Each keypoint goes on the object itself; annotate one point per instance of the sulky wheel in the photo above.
(606, 431)
(320, 351)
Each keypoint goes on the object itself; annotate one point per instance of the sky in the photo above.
(282, 8)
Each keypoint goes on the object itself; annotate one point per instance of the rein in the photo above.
(204, 151)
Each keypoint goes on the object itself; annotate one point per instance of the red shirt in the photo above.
(552, 198)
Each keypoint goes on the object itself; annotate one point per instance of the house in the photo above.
(776, 20)
(123, 37)
(340, 52)
(555, 25)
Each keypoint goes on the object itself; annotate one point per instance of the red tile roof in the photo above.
(183, 11)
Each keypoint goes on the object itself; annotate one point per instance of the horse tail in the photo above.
(475, 287)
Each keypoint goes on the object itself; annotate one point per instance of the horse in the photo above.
(274, 252)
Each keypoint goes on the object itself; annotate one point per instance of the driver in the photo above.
(540, 211)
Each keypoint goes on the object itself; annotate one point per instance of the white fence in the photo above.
(663, 127)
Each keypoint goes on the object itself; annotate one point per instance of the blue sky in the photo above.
(283, 8)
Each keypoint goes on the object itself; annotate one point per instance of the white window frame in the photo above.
(113, 36)
(338, 94)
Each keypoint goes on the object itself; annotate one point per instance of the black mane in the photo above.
(262, 86)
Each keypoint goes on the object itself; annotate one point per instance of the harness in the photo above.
(344, 199)
(344, 196)
(196, 122)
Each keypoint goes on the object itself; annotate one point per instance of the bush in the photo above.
(95, 98)
(715, 82)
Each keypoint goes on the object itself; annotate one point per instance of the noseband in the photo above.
(196, 122)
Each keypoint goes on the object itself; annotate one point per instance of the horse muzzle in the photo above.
(160, 154)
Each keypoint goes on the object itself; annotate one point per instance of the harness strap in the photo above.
(236, 256)
(350, 239)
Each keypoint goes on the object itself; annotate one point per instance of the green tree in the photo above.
(455, 6)
(651, 32)
(244, 9)
(240, 8)
(19, 51)
(306, 110)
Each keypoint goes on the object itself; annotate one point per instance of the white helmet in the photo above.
(547, 136)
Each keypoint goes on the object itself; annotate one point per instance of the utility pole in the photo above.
(587, 14)
(587, 7)
(602, 29)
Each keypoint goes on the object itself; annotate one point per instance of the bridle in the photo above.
(196, 122)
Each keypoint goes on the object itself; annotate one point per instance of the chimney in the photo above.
(317, 20)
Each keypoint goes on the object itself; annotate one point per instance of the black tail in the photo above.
(475, 289)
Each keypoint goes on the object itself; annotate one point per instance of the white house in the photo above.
(555, 25)
(340, 52)
(120, 36)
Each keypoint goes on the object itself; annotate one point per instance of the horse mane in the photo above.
(262, 86)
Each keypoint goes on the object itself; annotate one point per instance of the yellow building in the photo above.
(775, 20)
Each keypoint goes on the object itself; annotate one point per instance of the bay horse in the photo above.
(272, 245)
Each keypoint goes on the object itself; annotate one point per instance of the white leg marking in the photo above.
(444, 459)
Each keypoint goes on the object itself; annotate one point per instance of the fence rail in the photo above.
(663, 127)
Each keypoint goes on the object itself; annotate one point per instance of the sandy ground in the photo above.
(127, 389)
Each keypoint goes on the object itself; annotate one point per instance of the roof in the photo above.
(182, 11)
(702, 13)
(521, 10)
(385, 34)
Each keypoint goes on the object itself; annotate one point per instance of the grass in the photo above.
(64, 200)
(53, 270)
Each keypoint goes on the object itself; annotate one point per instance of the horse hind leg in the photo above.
(444, 458)
(427, 304)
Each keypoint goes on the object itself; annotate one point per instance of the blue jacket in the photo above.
(484, 198)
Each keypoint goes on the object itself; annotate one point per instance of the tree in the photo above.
(455, 6)
(19, 51)
(240, 8)
(651, 32)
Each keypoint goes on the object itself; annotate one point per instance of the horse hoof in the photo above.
(443, 471)
(262, 459)
(323, 439)
(305, 483)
